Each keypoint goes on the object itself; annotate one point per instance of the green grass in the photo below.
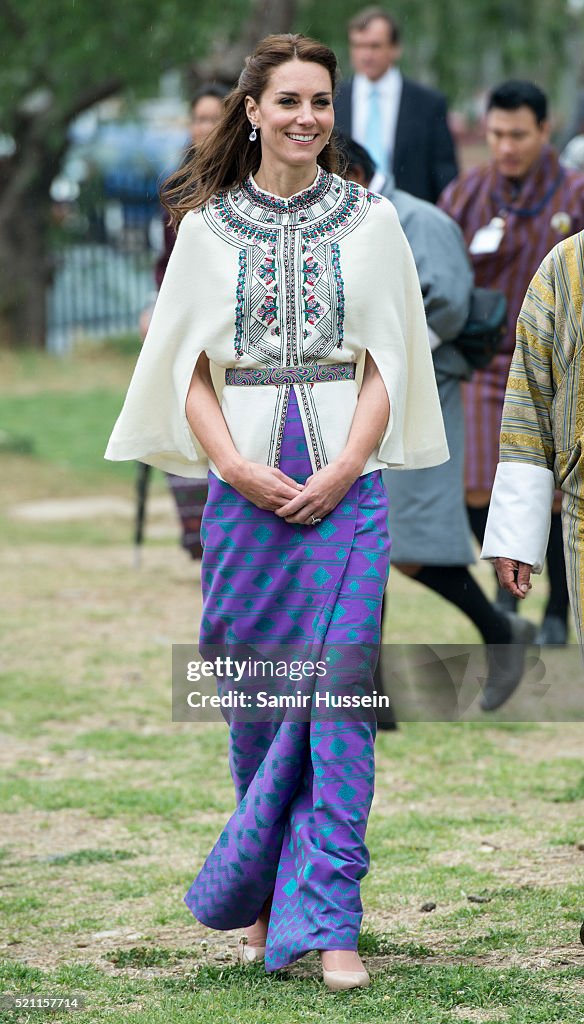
(412, 980)
(421, 994)
(573, 793)
(81, 857)
(68, 429)
(124, 743)
(102, 799)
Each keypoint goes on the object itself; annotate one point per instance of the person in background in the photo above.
(541, 432)
(402, 124)
(431, 535)
(206, 110)
(189, 494)
(572, 155)
(512, 211)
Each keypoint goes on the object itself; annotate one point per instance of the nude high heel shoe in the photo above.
(338, 977)
(339, 981)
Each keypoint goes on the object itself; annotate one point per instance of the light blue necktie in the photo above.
(374, 132)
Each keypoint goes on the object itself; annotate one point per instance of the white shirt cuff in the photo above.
(518, 523)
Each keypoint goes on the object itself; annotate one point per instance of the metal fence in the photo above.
(103, 254)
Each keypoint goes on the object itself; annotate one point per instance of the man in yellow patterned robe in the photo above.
(542, 431)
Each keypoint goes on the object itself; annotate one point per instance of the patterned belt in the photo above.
(317, 373)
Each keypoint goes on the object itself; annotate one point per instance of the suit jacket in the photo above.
(424, 160)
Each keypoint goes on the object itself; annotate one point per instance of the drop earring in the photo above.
(253, 133)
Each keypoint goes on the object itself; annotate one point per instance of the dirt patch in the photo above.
(93, 948)
(69, 509)
(542, 745)
(39, 834)
(536, 862)
(474, 1014)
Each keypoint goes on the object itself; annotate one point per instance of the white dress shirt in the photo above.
(520, 511)
(390, 89)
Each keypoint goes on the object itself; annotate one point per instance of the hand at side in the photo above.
(513, 576)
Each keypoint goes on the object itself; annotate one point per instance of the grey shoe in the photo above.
(505, 602)
(553, 631)
(506, 663)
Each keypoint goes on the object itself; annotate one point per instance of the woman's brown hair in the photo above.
(227, 156)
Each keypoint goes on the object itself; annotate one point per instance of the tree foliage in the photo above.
(59, 57)
(463, 47)
(69, 49)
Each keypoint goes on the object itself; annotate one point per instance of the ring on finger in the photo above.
(314, 520)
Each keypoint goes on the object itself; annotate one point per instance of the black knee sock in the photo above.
(478, 521)
(478, 524)
(558, 601)
(455, 584)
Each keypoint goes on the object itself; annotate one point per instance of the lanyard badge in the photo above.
(488, 238)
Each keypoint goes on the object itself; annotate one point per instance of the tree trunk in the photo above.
(24, 277)
(40, 137)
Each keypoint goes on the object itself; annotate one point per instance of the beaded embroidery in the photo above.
(312, 310)
(290, 294)
(268, 310)
(240, 302)
(336, 262)
(311, 270)
(267, 269)
(311, 195)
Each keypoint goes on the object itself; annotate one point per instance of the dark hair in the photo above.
(216, 90)
(355, 155)
(515, 94)
(227, 156)
(363, 19)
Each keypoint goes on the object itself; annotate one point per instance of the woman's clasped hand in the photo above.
(321, 493)
(305, 504)
(264, 486)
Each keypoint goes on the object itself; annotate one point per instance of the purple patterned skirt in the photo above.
(303, 788)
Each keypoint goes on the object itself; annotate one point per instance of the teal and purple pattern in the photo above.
(303, 789)
(312, 374)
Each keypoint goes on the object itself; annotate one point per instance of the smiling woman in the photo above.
(284, 277)
(295, 117)
(272, 102)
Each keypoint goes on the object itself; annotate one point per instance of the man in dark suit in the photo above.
(401, 123)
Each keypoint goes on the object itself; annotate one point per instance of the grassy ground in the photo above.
(107, 808)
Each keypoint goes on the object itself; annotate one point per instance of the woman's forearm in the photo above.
(209, 427)
(264, 486)
(208, 423)
(370, 419)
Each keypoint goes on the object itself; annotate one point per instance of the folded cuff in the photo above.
(518, 523)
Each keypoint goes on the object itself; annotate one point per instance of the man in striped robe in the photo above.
(542, 432)
(512, 211)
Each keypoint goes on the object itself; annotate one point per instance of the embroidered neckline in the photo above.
(299, 201)
(341, 206)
